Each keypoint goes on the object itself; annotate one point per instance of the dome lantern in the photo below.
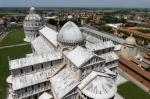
(70, 17)
(32, 10)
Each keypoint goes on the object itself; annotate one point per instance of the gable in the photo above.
(94, 59)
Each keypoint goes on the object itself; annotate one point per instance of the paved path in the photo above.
(121, 79)
(13, 45)
(117, 96)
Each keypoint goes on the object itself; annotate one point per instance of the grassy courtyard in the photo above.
(13, 53)
(14, 37)
(144, 30)
(130, 91)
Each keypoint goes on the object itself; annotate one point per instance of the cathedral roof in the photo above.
(98, 86)
(63, 82)
(79, 55)
(111, 56)
(104, 35)
(41, 46)
(32, 60)
(37, 77)
(70, 32)
(50, 35)
(100, 45)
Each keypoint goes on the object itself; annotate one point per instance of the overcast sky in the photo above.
(76, 3)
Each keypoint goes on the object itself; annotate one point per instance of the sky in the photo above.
(76, 3)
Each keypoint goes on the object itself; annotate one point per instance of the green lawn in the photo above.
(14, 37)
(130, 91)
(13, 53)
(144, 30)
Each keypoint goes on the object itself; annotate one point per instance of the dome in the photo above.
(70, 32)
(32, 9)
(32, 23)
(70, 16)
(70, 35)
(35, 17)
(130, 40)
(98, 86)
(32, 15)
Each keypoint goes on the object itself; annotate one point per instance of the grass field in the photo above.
(144, 30)
(14, 37)
(13, 53)
(130, 91)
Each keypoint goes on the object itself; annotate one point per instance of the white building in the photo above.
(66, 65)
(129, 49)
(32, 23)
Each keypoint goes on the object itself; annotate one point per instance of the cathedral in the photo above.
(65, 64)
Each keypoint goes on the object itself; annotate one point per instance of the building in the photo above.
(133, 63)
(103, 36)
(65, 65)
(129, 49)
(32, 23)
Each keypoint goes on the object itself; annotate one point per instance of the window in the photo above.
(51, 64)
(92, 67)
(32, 87)
(21, 71)
(25, 89)
(32, 68)
(42, 66)
(45, 83)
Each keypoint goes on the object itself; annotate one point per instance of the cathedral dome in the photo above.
(130, 40)
(98, 86)
(70, 32)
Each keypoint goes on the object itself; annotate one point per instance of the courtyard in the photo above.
(13, 38)
(130, 91)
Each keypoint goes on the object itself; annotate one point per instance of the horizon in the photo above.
(77, 3)
(80, 7)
